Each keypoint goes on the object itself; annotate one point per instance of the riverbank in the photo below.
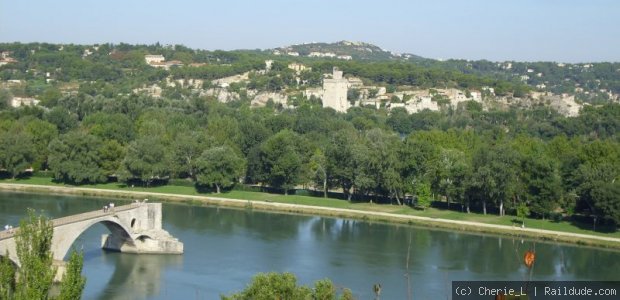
(368, 212)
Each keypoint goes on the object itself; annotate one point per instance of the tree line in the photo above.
(469, 159)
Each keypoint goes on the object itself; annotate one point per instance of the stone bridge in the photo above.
(134, 228)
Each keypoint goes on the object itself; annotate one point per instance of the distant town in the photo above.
(336, 89)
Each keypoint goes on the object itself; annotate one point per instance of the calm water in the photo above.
(224, 248)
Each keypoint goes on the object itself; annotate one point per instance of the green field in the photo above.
(562, 226)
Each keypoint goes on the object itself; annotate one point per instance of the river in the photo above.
(224, 248)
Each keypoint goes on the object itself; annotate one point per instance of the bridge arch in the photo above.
(134, 228)
(66, 235)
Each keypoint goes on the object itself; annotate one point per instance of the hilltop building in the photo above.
(5, 58)
(18, 101)
(154, 59)
(298, 68)
(335, 92)
(158, 61)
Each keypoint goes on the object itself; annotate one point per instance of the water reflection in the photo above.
(14, 205)
(203, 220)
(137, 276)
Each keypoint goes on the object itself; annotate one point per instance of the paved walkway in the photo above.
(314, 209)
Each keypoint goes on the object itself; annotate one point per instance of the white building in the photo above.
(335, 92)
(489, 89)
(420, 103)
(297, 67)
(316, 92)
(18, 101)
(154, 59)
(321, 54)
(476, 96)
(153, 90)
(268, 64)
(355, 82)
(456, 96)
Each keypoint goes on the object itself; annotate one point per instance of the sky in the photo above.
(497, 30)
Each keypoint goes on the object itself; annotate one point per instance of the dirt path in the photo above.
(469, 226)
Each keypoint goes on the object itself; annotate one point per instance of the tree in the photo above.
(381, 163)
(110, 126)
(252, 133)
(146, 160)
(73, 282)
(111, 154)
(16, 151)
(186, 149)
(273, 285)
(606, 201)
(399, 120)
(220, 167)
(423, 195)
(282, 159)
(543, 184)
(341, 163)
(599, 169)
(224, 131)
(353, 95)
(34, 278)
(417, 157)
(5, 97)
(63, 119)
(76, 157)
(318, 168)
(7, 277)
(522, 212)
(495, 176)
(33, 246)
(453, 172)
(42, 134)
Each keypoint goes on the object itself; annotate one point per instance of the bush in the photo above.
(43, 174)
(181, 182)
(284, 286)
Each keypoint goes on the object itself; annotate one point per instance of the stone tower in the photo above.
(335, 92)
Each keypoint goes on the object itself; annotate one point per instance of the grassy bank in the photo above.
(560, 231)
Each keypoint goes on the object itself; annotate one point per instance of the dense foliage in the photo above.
(469, 159)
(284, 286)
(34, 278)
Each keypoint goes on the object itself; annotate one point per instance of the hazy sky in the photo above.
(531, 30)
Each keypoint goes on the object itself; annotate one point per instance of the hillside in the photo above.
(344, 50)
(593, 83)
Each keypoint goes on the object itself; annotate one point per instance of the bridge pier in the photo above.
(156, 242)
(61, 269)
(143, 233)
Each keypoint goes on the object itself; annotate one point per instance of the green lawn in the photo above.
(337, 203)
